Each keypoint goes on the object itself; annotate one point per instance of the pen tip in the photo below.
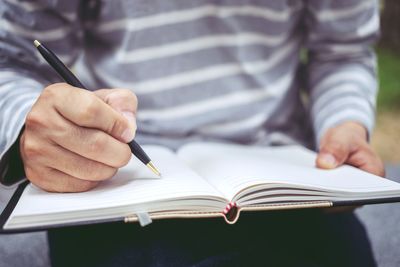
(153, 168)
(36, 43)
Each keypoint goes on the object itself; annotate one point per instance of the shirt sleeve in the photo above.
(341, 62)
(23, 73)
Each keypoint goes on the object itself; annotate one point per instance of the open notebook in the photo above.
(202, 180)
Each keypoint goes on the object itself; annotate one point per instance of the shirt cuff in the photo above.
(339, 111)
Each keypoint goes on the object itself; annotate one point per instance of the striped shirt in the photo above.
(201, 69)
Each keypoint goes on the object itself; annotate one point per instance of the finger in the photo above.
(92, 144)
(75, 165)
(89, 143)
(368, 161)
(121, 100)
(85, 109)
(118, 99)
(55, 181)
(37, 152)
(333, 152)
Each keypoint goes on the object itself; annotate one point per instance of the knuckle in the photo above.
(126, 92)
(30, 148)
(53, 90)
(89, 110)
(49, 91)
(34, 119)
(126, 95)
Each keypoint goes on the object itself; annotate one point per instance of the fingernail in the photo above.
(328, 160)
(129, 133)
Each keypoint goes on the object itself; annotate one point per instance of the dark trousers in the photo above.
(301, 238)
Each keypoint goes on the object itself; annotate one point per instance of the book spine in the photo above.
(231, 213)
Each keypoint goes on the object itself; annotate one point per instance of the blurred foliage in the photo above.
(385, 139)
(390, 24)
(389, 79)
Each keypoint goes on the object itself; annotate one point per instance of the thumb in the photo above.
(333, 152)
(124, 102)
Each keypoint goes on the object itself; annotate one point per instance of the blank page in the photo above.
(132, 184)
(231, 168)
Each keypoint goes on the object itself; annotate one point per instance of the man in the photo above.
(214, 70)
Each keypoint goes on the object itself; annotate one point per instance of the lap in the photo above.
(279, 238)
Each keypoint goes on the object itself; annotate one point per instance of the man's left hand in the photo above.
(347, 144)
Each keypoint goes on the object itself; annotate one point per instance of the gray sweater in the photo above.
(202, 70)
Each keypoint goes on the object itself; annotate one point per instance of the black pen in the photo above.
(71, 79)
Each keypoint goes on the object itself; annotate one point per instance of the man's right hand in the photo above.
(74, 138)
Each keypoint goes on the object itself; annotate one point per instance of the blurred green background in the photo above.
(389, 79)
(386, 137)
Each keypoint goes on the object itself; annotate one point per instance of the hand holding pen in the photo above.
(74, 138)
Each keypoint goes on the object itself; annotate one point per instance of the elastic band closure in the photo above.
(231, 213)
(229, 207)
